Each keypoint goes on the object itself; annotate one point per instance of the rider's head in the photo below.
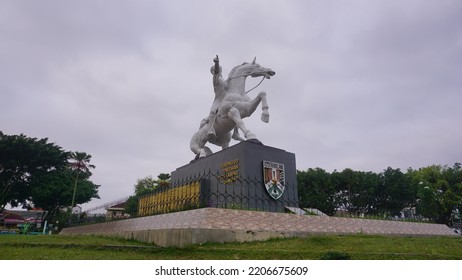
(212, 70)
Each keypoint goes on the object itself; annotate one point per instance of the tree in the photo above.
(163, 180)
(35, 173)
(143, 187)
(347, 185)
(131, 207)
(395, 191)
(21, 159)
(439, 192)
(364, 198)
(52, 191)
(315, 190)
(81, 164)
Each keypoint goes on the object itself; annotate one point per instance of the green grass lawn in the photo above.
(359, 247)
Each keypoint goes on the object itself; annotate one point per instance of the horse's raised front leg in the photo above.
(253, 104)
(234, 115)
(264, 107)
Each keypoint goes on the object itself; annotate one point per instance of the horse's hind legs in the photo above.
(234, 114)
(236, 135)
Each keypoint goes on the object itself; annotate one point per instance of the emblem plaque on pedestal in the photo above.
(274, 178)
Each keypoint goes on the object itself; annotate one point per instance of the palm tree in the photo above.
(81, 163)
(163, 180)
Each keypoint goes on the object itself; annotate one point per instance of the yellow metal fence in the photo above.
(171, 200)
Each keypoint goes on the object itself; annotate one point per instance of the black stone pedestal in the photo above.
(248, 176)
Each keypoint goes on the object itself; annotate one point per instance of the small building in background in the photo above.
(116, 211)
(13, 219)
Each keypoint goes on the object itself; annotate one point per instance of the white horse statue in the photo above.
(230, 106)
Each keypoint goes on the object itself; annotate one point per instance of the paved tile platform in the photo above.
(226, 225)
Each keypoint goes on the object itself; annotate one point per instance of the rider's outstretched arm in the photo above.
(218, 81)
(217, 65)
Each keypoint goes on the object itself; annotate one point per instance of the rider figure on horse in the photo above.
(219, 87)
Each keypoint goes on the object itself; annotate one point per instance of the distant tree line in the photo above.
(37, 174)
(434, 192)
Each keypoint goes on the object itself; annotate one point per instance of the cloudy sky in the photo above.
(359, 84)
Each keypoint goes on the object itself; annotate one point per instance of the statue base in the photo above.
(247, 176)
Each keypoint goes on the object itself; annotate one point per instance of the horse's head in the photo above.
(251, 69)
